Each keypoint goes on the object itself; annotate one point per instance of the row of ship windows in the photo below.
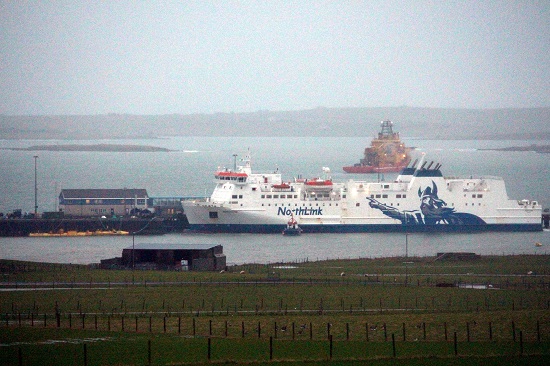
(279, 196)
(357, 204)
(296, 205)
(240, 196)
(386, 196)
(238, 179)
(320, 195)
(371, 196)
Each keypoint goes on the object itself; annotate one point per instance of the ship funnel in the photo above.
(414, 164)
(429, 166)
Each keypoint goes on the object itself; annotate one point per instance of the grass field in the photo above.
(493, 310)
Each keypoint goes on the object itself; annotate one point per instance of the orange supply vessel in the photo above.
(387, 153)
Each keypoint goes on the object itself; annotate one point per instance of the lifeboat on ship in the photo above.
(227, 175)
(324, 183)
(318, 182)
(281, 186)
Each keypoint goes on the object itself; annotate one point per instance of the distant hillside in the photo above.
(427, 123)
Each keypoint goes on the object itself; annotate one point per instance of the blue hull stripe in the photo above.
(270, 229)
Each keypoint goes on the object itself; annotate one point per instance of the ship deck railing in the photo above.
(196, 198)
(486, 177)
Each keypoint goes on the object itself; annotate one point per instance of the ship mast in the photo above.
(387, 130)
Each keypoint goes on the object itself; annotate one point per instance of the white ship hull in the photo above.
(420, 199)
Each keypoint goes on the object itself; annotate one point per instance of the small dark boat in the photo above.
(292, 228)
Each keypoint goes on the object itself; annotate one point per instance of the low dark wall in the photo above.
(23, 227)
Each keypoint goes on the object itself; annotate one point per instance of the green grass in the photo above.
(419, 269)
(179, 311)
(64, 347)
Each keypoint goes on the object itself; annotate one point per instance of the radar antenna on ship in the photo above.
(247, 166)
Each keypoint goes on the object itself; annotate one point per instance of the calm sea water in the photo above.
(189, 172)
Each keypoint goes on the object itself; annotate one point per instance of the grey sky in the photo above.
(154, 57)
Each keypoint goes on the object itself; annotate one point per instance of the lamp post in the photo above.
(406, 259)
(133, 248)
(35, 188)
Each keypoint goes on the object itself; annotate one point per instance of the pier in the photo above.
(137, 226)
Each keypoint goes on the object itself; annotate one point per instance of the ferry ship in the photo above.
(387, 153)
(420, 199)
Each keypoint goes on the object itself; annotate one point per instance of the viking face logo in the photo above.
(433, 211)
(431, 205)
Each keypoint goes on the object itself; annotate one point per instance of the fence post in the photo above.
(455, 344)
(393, 344)
(149, 352)
(85, 355)
(521, 343)
(404, 334)
(270, 348)
(209, 348)
(330, 346)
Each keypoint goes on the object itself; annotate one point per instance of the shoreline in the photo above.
(92, 148)
(541, 149)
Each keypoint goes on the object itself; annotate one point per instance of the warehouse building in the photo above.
(184, 257)
(102, 202)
